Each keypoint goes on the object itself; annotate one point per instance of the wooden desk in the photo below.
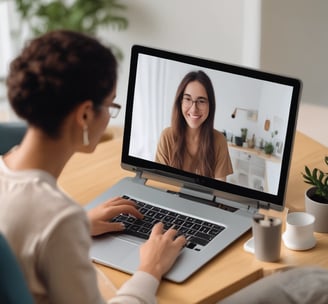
(86, 176)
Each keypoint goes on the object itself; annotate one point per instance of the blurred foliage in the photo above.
(85, 16)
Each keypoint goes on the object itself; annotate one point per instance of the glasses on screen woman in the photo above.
(200, 102)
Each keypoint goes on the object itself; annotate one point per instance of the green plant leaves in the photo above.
(80, 15)
(86, 16)
(318, 179)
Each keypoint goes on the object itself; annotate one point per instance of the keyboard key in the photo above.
(204, 236)
(198, 240)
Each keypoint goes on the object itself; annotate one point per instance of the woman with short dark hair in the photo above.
(64, 85)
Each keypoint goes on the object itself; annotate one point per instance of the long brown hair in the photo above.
(206, 153)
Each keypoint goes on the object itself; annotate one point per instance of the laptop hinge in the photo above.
(253, 208)
(263, 205)
(196, 195)
(139, 178)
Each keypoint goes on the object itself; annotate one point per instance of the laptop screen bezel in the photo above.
(174, 176)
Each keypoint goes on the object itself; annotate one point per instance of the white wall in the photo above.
(5, 49)
(218, 29)
(294, 41)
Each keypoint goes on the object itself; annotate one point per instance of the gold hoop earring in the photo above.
(86, 141)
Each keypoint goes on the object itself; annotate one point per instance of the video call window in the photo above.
(242, 103)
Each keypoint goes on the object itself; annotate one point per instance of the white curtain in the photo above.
(6, 44)
(149, 114)
(156, 84)
(10, 40)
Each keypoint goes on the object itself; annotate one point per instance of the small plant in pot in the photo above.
(269, 147)
(316, 197)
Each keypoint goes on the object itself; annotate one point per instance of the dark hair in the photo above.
(206, 153)
(55, 73)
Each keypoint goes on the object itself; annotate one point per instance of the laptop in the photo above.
(213, 213)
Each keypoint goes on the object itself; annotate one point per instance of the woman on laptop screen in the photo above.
(191, 143)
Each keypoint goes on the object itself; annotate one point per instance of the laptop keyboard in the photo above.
(197, 232)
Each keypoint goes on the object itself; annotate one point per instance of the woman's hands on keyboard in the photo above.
(99, 216)
(159, 252)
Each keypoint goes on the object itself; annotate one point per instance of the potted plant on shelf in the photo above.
(316, 197)
(244, 134)
(269, 147)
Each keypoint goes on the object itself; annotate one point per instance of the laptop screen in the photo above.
(245, 120)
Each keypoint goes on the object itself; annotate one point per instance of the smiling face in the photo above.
(194, 104)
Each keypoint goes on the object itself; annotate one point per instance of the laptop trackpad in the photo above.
(131, 239)
(116, 251)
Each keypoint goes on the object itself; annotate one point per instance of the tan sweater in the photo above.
(50, 235)
(223, 166)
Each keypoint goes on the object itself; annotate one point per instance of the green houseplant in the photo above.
(84, 16)
(316, 197)
(244, 134)
(269, 147)
(319, 180)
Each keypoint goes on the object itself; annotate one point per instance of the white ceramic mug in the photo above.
(299, 231)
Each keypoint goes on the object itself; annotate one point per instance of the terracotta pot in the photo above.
(319, 210)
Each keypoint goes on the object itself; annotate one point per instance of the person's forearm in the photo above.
(141, 288)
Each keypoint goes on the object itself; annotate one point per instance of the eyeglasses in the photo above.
(114, 109)
(201, 102)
